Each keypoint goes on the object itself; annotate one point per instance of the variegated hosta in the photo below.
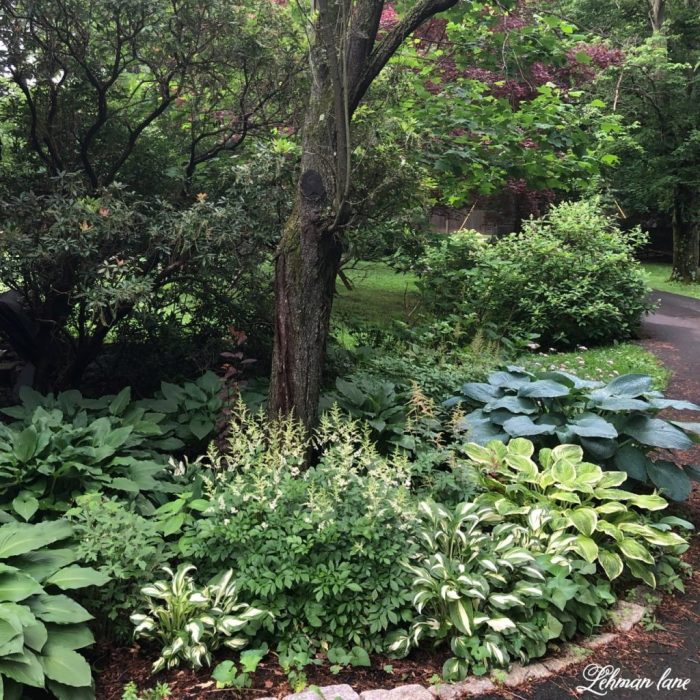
(192, 622)
(615, 529)
(496, 590)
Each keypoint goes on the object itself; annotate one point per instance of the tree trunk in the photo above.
(686, 240)
(307, 262)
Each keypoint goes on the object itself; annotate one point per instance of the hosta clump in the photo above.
(191, 622)
(497, 590)
(617, 530)
(616, 423)
(40, 630)
(319, 547)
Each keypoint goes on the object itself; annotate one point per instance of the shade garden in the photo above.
(274, 414)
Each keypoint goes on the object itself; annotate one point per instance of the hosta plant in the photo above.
(497, 590)
(42, 629)
(191, 622)
(615, 529)
(616, 424)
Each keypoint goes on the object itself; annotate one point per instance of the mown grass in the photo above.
(658, 275)
(379, 295)
(602, 363)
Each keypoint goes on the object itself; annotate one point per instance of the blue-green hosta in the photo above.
(616, 423)
(192, 622)
(615, 529)
(497, 590)
(40, 630)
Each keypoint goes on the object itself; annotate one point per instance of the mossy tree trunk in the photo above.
(345, 57)
(686, 237)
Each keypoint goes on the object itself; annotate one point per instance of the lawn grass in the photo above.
(602, 364)
(379, 294)
(658, 275)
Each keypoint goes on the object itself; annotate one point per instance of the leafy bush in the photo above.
(569, 277)
(616, 423)
(41, 630)
(192, 622)
(496, 589)
(319, 548)
(66, 444)
(130, 561)
(160, 692)
(603, 524)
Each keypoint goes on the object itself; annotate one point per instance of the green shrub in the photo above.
(497, 590)
(569, 277)
(604, 525)
(40, 630)
(617, 424)
(192, 622)
(64, 445)
(320, 548)
(130, 561)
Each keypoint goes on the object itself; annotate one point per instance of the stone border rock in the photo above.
(624, 617)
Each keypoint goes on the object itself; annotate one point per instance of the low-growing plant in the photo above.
(319, 547)
(192, 622)
(497, 590)
(616, 424)
(614, 529)
(159, 692)
(41, 630)
(130, 561)
(379, 405)
(228, 675)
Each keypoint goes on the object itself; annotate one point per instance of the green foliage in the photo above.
(40, 630)
(617, 424)
(379, 405)
(227, 675)
(63, 445)
(604, 525)
(130, 561)
(569, 277)
(160, 692)
(192, 622)
(497, 589)
(191, 410)
(320, 548)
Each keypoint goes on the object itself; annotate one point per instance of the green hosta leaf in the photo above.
(461, 614)
(24, 444)
(120, 402)
(455, 669)
(359, 657)
(40, 565)
(635, 550)
(633, 461)
(656, 432)
(25, 505)
(478, 453)
(27, 670)
(523, 426)
(480, 392)
(611, 479)
(501, 624)
(36, 636)
(563, 471)
(19, 538)
(628, 385)
(121, 483)
(514, 404)
(58, 608)
(77, 577)
(586, 547)
(644, 573)
(670, 479)
(620, 403)
(674, 403)
(592, 426)
(201, 427)
(15, 587)
(543, 389)
(584, 520)
(611, 563)
(65, 666)
(649, 502)
(521, 447)
(67, 692)
(572, 453)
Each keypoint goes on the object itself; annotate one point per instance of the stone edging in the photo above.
(624, 617)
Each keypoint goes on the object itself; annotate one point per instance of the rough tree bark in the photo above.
(345, 57)
(686, 237)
